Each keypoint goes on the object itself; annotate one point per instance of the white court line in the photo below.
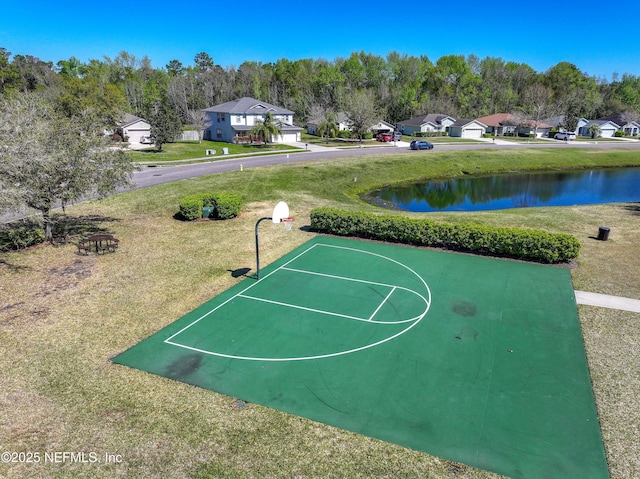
(381, 304)
(344, 278)
(288, 305)
(383, 257)
(168, 340)
(414, 321)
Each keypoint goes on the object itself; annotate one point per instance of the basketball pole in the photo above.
(258, 248)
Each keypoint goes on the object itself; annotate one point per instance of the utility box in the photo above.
(207, 211)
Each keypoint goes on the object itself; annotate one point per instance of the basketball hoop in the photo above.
(280, 215)
(288, 222)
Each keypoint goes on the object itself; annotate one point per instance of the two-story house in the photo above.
(232, 121)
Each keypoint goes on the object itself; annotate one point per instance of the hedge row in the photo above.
(533, 245)
(21, 237)
(226, 205)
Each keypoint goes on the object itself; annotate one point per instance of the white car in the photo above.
(565, 135)
(146, 140)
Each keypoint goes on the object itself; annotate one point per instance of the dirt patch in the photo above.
(68, 276)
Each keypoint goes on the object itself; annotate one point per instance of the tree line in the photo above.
(401, 86)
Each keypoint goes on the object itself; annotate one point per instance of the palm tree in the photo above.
(594, 130)
(266, 128)
(329, 126)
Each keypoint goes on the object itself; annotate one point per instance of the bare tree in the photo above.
(317, 114)
(538, 105)
(362, 112)
(199, 121)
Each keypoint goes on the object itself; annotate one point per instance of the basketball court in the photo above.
(472, 359)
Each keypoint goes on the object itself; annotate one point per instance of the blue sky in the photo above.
(590, 36)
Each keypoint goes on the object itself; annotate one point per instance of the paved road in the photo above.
(150, 176)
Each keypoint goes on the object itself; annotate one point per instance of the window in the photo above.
(219, 132)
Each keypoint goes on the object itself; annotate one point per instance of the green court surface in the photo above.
(472, 359)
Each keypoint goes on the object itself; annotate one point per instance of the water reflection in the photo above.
(515, 191)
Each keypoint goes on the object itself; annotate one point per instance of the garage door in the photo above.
(135, 135)
(288, 138)
(472, 133)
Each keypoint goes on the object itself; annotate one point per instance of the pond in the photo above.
(610, 185)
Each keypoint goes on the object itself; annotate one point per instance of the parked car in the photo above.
(397, 136)
(146, 140)
(420, 145)
(384, 137)
(565, 136)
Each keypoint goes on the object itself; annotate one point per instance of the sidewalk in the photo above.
(495, 141)
(311, 146)
(606, 301)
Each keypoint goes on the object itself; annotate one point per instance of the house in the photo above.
(626, 124)
(529, 128)
(134, 128)
(434, 122)
(232, 121)
(343, 124)
(607, 128)
(467, 129)
(382, 127)
(499, 123)
(558, 121)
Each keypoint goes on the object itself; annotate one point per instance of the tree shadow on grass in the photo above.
(633, 208)
(29, 232)
(67, 228)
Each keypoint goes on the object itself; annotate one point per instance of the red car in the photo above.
(384, 137)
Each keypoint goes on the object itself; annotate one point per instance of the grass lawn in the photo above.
(62, 316)
(186, 150)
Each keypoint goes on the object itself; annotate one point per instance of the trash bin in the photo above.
(207, 211)
(225, 151)
(603, 233)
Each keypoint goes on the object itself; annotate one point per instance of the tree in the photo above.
(71, 67)
(329, 125)
(174, 68)
(266, 128)
(203, 61)
(48, 160)
(538, 105)
(9, 76)
(594, 130)
(199, 121)
(362, 112)
(165, 127)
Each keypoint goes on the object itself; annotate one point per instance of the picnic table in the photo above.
(98, 244)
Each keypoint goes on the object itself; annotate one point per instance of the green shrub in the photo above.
(534, 245)
(225, 205)
(20, 237)
(191, 207)
(228, 205)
